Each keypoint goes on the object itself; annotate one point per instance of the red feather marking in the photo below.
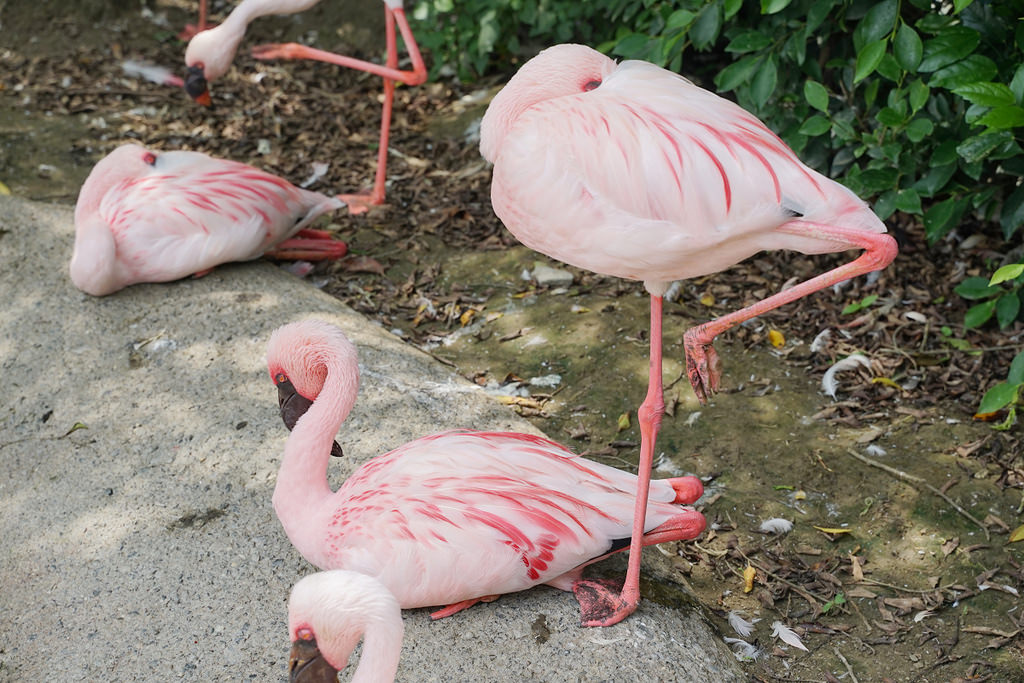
(751, 147)
(721, 171)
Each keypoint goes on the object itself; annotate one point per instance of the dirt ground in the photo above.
(897, 567)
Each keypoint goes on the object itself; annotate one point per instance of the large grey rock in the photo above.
(143, 547)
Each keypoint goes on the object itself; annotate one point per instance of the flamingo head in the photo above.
(196, 85)
(328, 614)
(559, 71)
(208, 57)
(294, 405)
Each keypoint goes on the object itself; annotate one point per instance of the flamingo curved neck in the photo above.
(382, 648)
(302, 489)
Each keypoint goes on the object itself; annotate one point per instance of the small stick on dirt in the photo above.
(849, 669)
(904, 477)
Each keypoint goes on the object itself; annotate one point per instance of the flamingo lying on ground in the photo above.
(456, 517)
(209, 55)
(633, 171)
(147, 216)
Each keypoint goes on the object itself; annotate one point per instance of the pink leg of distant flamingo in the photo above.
(701, 358)
(359, 203)
(200, 25)
(601, 602)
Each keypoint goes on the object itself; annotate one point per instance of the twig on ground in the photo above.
(905, 477)
(849, 669)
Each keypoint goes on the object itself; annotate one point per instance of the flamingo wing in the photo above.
(193, 212)
(669, 180)
(464, 514)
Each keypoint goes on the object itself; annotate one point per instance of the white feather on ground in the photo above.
(776, 525)
(787, 635)
(741, 625)
(828, 381)
(821, 341)
(151, 72)
(743, 650)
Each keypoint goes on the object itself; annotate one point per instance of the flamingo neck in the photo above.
(382, 648)
(302, 489)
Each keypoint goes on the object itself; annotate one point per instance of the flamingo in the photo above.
(148, 216)
(209, 55)
(633, 171)
(329, 613)
(454, 518)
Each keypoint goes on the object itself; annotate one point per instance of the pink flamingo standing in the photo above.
(209, 55)
(147, 216)
(633, 171)
(456, 517)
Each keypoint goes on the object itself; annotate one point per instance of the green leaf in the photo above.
(960, 5)
(1003, 118)
(950, 45)
(632, 45)
(1017, 84)
(917, 95)
(1012, 214)
(868, 59)
(877, 23)
(975, 287)
(1007, 308)
(748, 41)
(979, 314)
(907, 48)
(815, 126)
(737, 73)
(940, 218)
(1008, 272)
(908, 201)
(817, 13)
(878, 179)
(935, 179)
(731, 8)
(885, 205)
(919, 129)
(978, 147)
(887, 116)
(968, 70)
(705, 29)
(987, 94)
(765, 80)
(816, 95)
(998, 397)
(681, 18)
(1016, 375)
(773, 6)
(888, 68)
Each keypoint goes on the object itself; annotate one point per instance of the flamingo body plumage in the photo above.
(633, 171)
(455, 517)
(148, 216)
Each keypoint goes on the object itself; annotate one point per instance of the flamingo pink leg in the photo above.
(191, 29)
(309, 245)
(456, 607)
(360, 203)
(601, 603)
(701, 358)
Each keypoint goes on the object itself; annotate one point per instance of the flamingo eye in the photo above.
(149, 158)
(591, 85)
(280, 377)
(304, 633)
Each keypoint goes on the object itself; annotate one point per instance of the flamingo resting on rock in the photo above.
(457, 517)
(148, 216)
(633, 171)
(209, 55)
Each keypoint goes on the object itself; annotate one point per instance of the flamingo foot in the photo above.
(309, 245)
(360, 203)
(702, 365)
(459, 606)
(601, 601)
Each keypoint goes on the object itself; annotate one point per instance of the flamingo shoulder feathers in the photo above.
(339, 608)
(178, 214)
(683, 180)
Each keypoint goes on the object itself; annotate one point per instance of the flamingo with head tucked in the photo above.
(633, 171)
(149, 216)
(210, 53)
(456, 517)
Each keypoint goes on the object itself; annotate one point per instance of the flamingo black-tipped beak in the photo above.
(306, 664)
(294, 405)
(197, 87)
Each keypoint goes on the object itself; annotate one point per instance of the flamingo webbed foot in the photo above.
(459, 606)
(703, 368)
(360, 203)
(601, 601)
